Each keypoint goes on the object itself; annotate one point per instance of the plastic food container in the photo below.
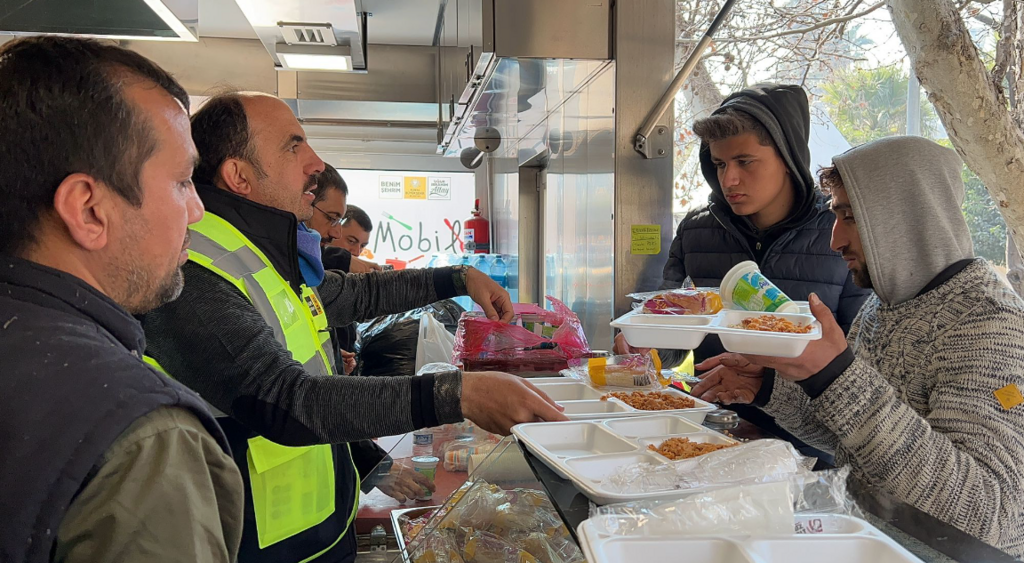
(687, 332)
(672, 332)
(842, 539)
(776, 344)
(583, 402)
(744, 287)
(589, 452)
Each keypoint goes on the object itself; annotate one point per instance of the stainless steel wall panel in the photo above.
(644, 40)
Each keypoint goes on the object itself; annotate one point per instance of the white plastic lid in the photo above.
(425, 461)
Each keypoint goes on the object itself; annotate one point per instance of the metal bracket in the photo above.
(378, 539)
(647, 140)
(658, 146)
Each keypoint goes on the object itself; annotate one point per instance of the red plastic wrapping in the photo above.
(684, 302)
(557, 336)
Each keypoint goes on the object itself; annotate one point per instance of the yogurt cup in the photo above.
(745, 287)
(427, 465)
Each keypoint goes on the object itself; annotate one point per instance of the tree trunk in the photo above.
(973, 111)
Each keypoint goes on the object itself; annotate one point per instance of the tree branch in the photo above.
(800, 31)
(1006, 38)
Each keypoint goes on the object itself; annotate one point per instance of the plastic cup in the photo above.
(744, 287)
(427, 465)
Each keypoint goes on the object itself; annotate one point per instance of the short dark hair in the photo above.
(220, 130)
(329, 179)
(356, 214)
(729, 123)
(64, 111)
(829, 178)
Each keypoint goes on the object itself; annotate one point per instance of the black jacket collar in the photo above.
(946, 275)
(273, 231)
(59, 291)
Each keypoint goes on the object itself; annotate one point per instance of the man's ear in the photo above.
(87, 207)
(235, 176)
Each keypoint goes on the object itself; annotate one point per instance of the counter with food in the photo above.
(921, 535)
(644, 471)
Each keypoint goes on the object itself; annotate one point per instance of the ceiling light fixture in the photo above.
(307, 57)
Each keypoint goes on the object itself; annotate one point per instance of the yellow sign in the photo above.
(1009, 396)
(415, 187)
(645, 239)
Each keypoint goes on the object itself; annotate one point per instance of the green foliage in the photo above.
(870, 104)
(988, 230)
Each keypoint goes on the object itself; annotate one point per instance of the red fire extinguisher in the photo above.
(477, 233)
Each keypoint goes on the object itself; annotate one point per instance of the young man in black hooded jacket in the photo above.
(763, 207)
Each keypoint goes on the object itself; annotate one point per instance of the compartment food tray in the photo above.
(845, 540)
(583, 402)
(588, 452)
(686, 332)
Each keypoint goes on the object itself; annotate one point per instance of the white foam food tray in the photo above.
(589, 452)
(845, 540)
(686, 332)
(583, 402)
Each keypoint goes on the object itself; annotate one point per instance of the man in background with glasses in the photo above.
(329, 205)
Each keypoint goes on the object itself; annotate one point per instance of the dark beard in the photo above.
(862, 278)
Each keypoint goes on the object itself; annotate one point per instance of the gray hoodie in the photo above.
(916, 408)
(906, 194)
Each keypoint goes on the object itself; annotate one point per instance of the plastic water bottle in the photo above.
(481, 262)
(513, 277)
(466, 302)
(433, 261)
(499, 272)
(423, 442)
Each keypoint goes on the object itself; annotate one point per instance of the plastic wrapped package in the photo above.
(551, 550)
(477, 508)
(626, 371)
(456, 453)
(537, 340)
(440, 547)
(486, 524)
(760, 461)
(519, 517)
(485, 547)
(794, 505)
(683, 302)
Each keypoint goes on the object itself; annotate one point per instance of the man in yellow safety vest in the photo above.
(249, 334)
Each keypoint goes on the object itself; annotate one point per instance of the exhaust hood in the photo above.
(520, 63)
(322, 35)
(149, 20)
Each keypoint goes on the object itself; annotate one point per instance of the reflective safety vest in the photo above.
(293, 488)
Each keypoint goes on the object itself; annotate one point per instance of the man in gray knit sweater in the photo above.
(923, 397)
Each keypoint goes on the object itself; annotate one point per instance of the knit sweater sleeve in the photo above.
(790, 406)
(963, 462)
(214, 341)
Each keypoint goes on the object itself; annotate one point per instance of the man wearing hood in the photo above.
(763, 207)
(923, 398)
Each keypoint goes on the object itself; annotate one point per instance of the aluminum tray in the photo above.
(589, 452)
(583, 402)
(845, 539)
(399, 536)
